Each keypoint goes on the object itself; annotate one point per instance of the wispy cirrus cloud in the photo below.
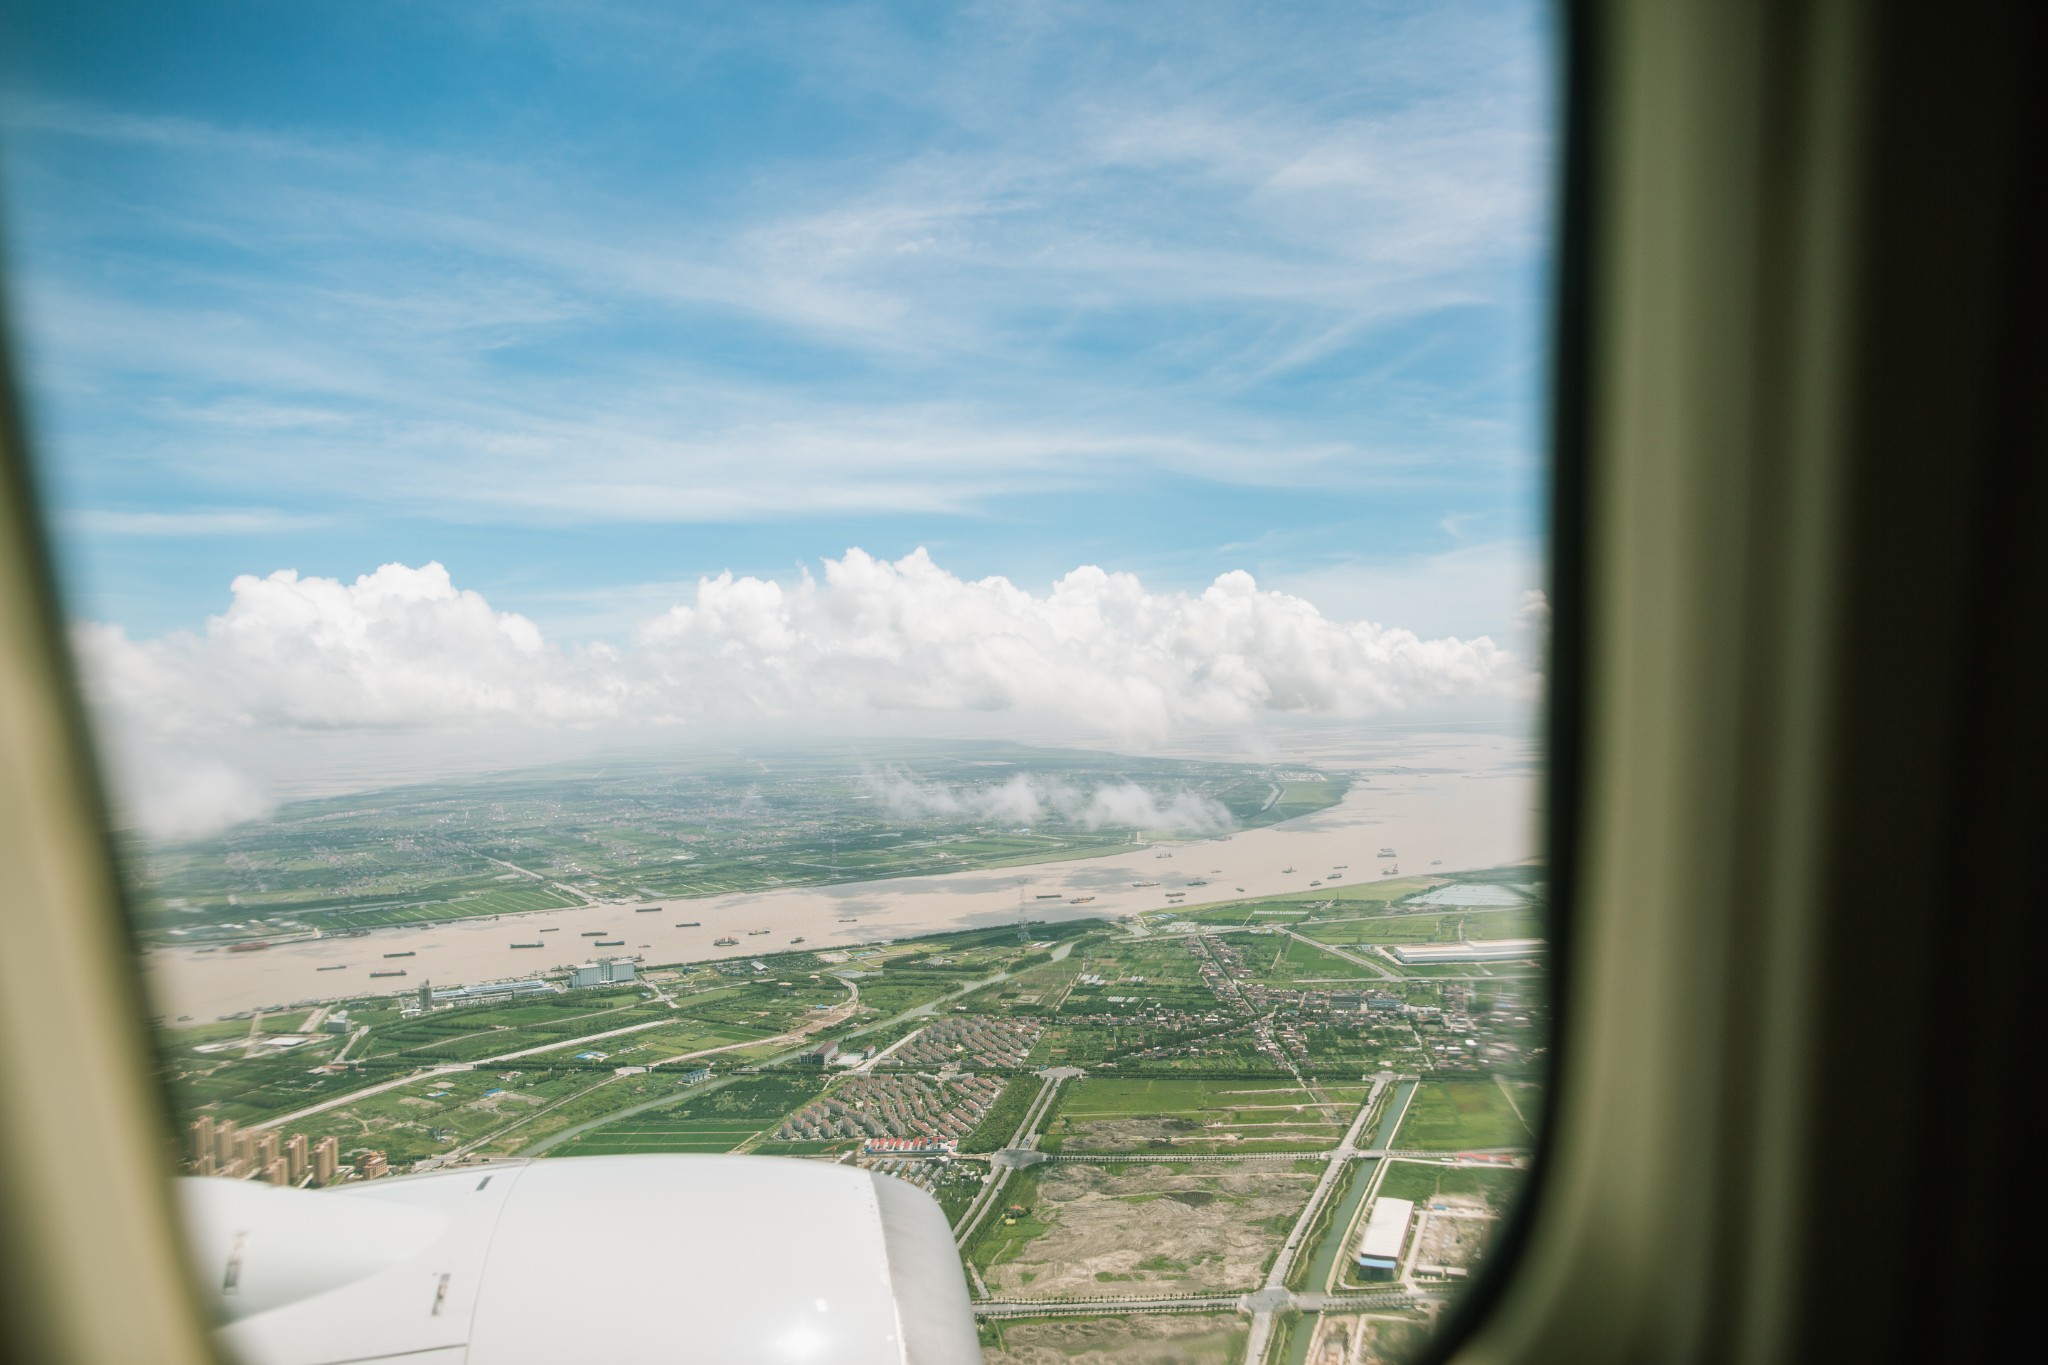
(1101, 242)
(194, 521)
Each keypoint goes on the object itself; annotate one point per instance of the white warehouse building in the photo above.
(1379, 1250)
(490, 990)
(1479, 950)
(606, 971)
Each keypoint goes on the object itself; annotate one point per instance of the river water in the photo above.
(1444, 802)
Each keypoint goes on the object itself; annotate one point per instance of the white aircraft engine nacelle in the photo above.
(713, 1260)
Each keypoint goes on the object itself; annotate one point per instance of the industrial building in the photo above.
(1379, 1250)
(606, 971)
(490, 990)
(1479, 950)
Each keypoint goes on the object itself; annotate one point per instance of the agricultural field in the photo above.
(438, 1114)
(1123, 1339)
(1428, 926)
(1455, 1115)
(1114, 1228)
(719, 1118)
(1290, 962)
(638, 828)
(1208, 1116)
(1230, 1059)
(1422, 1181)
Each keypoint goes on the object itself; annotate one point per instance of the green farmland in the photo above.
(1105, 1115)
(1453, 1115)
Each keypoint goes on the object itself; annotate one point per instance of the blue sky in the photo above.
(588, 301)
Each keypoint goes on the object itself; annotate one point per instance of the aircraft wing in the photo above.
(704, 1259)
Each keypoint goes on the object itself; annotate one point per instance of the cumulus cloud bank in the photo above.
(1027, 800)
(406, 649)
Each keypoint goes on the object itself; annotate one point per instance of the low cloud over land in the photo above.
(1026, 800)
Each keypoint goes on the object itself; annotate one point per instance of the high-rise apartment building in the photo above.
(295, 1157)
(199, 1138)
(326, 1160)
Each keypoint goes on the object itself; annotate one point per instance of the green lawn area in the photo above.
(661, 1135)
(715, 1120)
(1284, 961)
(1197, 1115)
(1423, 1180)
(1139, 1338)
(994, 1241)
(1454, 1115)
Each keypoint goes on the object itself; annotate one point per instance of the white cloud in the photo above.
(198, 521)
(405, 649)
(181, 795)
(1098, 650)
(1024, 799)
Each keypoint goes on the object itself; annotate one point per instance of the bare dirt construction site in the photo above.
(1113, 1227)
(1345, 1339)
(1135, 1339)
(1453, 1232)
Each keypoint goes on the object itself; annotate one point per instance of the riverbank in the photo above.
(1454, 802)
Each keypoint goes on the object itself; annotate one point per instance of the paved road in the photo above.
(1025, 1139)
(1276, 1279)
(1197, 1303)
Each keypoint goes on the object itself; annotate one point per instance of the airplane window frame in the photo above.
(1765, 216)
(1561, 720)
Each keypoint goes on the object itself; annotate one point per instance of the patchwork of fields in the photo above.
(643, 829)
(1209, 1116)
(1187, 1088)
